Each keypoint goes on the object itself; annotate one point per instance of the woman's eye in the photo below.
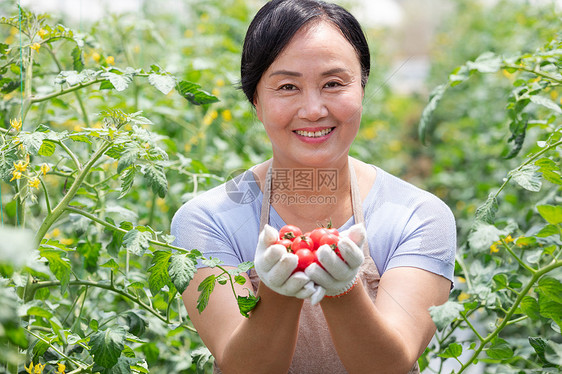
(287, 87)
(333, 84)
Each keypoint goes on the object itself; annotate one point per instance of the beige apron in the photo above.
(315, 352)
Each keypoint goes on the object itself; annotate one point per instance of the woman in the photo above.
(305, 64)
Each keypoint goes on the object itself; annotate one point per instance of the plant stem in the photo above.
(517, 258)
(534, 71)
(77, 363)
(119, 229)
(62, 205)
(536, 276)
(111, 288)
(472, 328)
(65, 91)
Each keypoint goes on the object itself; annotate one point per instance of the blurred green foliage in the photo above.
(102, 271)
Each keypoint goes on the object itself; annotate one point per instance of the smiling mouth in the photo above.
(315, 134)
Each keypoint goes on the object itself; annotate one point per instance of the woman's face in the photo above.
(310, 98)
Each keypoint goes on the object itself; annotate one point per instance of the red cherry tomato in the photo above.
(316, 235)
(302, 242)
(333, 231)
(332, 241)
(306, 257)
(286, 243)
(289, 232)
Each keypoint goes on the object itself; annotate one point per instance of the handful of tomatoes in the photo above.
(304, 246)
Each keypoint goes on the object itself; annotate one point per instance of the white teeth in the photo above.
(315, 134)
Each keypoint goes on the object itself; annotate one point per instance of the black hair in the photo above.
(275, 24)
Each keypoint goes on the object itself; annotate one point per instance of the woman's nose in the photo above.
(312, 107)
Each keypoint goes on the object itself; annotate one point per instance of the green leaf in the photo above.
(205, 287)
(482, 236)
(425, 120)
(163, 82)
(156, 178)
(59, 265)
(107, 346)
(201, 356)
(137, 324)
(127, 180)
(240, 279)
(39, 312)
(158, 270)
(500, 349)
(211, 262)
(530, 306)
(453, 350)
(518, 133)
(77, 59)
(549, 308)
(487, 62)
(32, 142)
(181, 270)
(528, 177)
(487, 212)
(547, 103)
(551, 213)
(548, 230)
(192, 93)
(552, 288)
(90, 253)
(444, 314)
(47, 148)
(539, 345)
(119, 81)
(128, 156)
(246, 304)
(136, 242)
(500, 281)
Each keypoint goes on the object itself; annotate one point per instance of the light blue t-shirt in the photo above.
(406, 226)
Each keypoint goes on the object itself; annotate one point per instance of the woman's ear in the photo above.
(257, 106)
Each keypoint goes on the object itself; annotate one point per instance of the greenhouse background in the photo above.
(114, 113)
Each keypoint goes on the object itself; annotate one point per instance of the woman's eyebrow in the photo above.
(335, 71)
(297, 74)
(286, 72)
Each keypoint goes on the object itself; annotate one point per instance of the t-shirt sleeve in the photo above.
(195, 228)
(428, 240)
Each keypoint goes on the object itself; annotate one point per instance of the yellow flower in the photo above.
(33, 183)
(43, 33)
(463, 296)
(16, 175)
(509, 239)
(215, 92)
(39, 368)
(21, 166)
(16, 124)
(67, 241)
(227, 115)
(55, 232)
(45, 168)
(35, 46)
(494, 248)
(220, 82)
(461, 280)
(30, 368)
(110, 60)
(96, 57)
(61, 368)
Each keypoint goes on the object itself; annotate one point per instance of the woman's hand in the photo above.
(276, 267)
(337, 276)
